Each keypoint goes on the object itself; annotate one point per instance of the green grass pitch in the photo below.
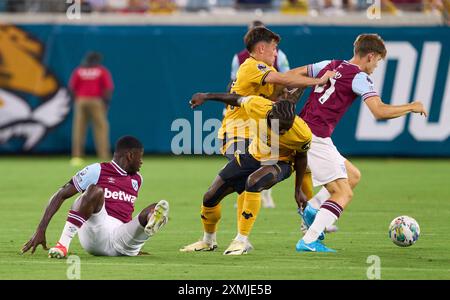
(389, 188)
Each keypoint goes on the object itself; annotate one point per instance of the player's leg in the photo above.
(101, 129)
(263, 178)
(89, 203)
(229, 180)
(211, 213)
(80, 120)
(129, 238)
(354, 176)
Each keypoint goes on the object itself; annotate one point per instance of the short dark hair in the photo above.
(367, 43)
(284, 111)
(256, 23)
(127, 143)
(259, 34)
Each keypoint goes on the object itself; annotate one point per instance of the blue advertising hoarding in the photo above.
(157, 68)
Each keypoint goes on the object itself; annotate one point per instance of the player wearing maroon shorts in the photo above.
(102, 214)
(325, 107)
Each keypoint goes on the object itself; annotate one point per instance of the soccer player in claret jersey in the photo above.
(102, 214)
(325, 107)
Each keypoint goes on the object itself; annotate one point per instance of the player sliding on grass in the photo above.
(102, 214)
(279, 144)
(323, 110)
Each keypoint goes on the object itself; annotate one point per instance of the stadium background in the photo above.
(158, 61)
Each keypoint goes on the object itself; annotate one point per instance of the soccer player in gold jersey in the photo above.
(257, 76)
(279, 144)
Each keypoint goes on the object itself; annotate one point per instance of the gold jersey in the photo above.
(249, 81)
(268, 146)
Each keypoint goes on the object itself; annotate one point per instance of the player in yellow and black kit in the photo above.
(279, 146)
(257, 76)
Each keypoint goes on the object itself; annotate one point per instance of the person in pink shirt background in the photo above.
(91, 85)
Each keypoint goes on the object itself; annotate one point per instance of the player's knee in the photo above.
(354, 178)
(210, 198)
(257, 183)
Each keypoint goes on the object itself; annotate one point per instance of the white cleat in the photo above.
(158, 218)
(199, 246)
(238, 248)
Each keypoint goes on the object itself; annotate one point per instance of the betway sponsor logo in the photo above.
(119, 196)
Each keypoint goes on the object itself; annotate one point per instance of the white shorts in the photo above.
(325, 161)
(107, 236)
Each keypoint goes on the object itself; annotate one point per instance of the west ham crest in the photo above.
(135, 184)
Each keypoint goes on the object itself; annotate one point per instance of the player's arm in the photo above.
(383, 111)
(300, 168)
(38, 238)
(200, 98)
(297, 80)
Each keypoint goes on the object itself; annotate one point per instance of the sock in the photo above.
(240, 206)
(209, 237)
(210, 217)
(74, 221)
(329, 212)
(319, 198)
(307, 185)
(241, 238)
(252, 205)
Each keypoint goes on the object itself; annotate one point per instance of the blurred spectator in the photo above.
(92, 86)
(135, 6)
(253, 4)
(116, 5)
(98, 5)
(294, 7)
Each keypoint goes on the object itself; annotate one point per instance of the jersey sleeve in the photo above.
(314, 69)
(234, 67)
(362, 85)
(256, 107)
(84, 178)
(283, 63)
(257, 72)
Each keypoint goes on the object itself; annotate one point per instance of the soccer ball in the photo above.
(404, 231)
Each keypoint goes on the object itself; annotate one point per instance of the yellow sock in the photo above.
(240, 206)
(307, 185)
(250, 210)
(210, 217)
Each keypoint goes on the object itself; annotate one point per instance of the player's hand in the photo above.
(300, 198)
(418, 108)
(197, 100)
(325, 77)
(37, 239)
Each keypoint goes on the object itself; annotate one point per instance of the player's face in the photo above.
(372, 62)
(270, 52)
(135, 160)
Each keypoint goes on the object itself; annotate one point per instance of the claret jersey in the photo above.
(120, 188)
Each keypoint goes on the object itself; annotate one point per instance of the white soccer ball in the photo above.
(404, 231)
